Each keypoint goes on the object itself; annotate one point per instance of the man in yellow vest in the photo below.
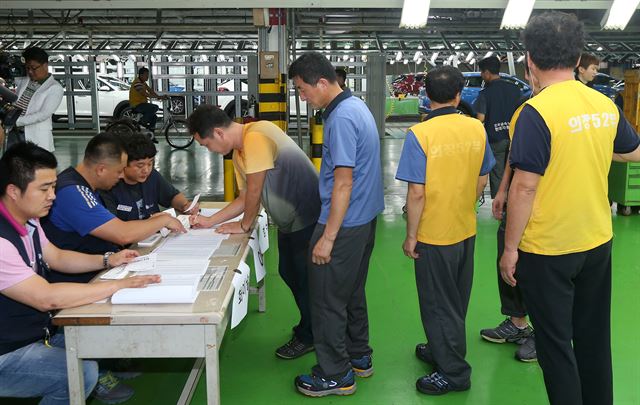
(139, 95)
(559, 221)
(446, 160)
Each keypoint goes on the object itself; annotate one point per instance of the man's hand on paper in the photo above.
(174, 225)
(138, 281)
(198, 221)
(231, 227)
(122, 257)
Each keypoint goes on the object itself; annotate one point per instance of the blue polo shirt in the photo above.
(351, 140)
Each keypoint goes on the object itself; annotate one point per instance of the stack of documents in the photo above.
(173, 289)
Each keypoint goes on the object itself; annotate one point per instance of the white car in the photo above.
(227, 102)
(113, 99)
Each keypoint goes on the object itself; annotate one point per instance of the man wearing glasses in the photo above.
(39, 96)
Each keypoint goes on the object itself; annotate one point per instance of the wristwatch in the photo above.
(105, 259)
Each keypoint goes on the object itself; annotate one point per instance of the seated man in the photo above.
(32, 355)
(79, 220)
(139, 95)
(142, 190)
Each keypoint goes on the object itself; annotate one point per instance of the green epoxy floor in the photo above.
(251, 374)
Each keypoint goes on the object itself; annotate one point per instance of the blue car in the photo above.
(472, 86)
(608, 85)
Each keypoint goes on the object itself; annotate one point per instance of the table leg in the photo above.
(75, 374)
(212, 366)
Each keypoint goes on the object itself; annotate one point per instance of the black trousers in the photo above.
(569, 302)
(293, 251)
(511, 301)
(338, 303)
(444, 275)
(149, 117)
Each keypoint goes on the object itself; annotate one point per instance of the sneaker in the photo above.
(423, 352)
(527, 350)
(294, 349)
(506, 332)
(363, 367)
(437, 384)
(111, 391)
(314, 386)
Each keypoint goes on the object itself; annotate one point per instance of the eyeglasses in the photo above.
(33, 68)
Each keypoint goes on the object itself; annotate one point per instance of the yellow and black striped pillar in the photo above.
(272, 101)
(316, 139)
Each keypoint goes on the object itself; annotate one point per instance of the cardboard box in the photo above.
(269, 68)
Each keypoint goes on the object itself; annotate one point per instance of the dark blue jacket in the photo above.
(72, 240)
(20, 324)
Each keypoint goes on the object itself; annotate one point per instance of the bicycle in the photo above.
(175, 131)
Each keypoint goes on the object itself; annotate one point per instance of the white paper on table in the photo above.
(142, 263)
(240, 294)
(193, 203)
(263, 231)
(258, 258)
(175, 289)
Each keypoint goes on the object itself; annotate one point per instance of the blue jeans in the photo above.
(40, 371)
(148, 111)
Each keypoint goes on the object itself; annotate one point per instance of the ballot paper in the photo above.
(172, 289)
(180, 266)
(207, 212)
(146, 263)
(195, 244)
(184, 219)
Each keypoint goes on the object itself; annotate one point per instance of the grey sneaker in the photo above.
(506, 332)
(294, 349)
(111, 391)
(527, 350)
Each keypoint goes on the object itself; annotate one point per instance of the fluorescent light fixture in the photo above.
(472, 61)
(420, 47)
(417, 55)
(392, 61)
(599, 48)
(406, 61)
(385, 46)
(414, 14)
(399, 56)
(347, 46)
(327, 46)
(618, 16)
(469, 56)
(419, 61)
(521, 58)
(433, 58)
(345, 57)
(517, 14)
(486, 55)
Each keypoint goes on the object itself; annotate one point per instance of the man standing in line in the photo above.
(351, 195)
(39, 96)
(270, 168)
(441, 225)
(563, 144)
(495, 106)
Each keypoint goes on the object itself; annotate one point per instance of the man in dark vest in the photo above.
(495, 105)
(142, 190)
(79, 220)
(32, 355)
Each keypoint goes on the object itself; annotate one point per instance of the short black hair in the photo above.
(443, 84)
(36, 54)
(554, 40)
(342, 73)
(102, 147)
(138, 146)
(205, 119)
(142, 71)
(311, 67)
(490, 64)
(19, 163)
